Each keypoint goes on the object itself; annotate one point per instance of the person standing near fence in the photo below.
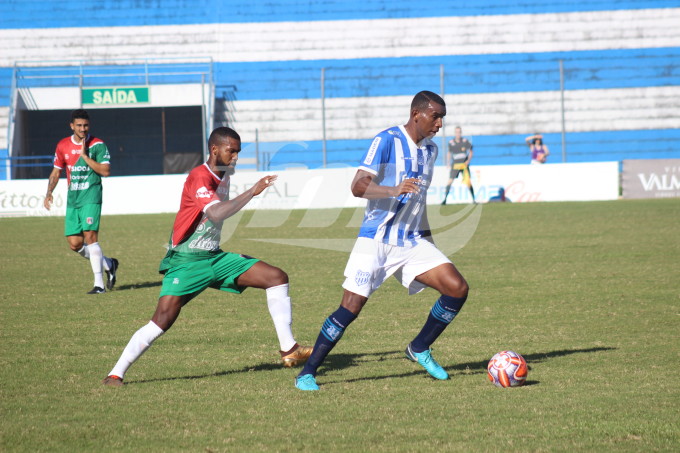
(459, 157)
(86, 159)
(539, 150)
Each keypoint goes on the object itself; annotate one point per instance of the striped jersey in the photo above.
(194, 237)
(393, 157)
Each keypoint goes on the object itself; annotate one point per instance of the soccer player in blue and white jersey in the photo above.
(395, 238)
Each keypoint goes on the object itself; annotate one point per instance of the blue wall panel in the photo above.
(602, 146)
(70, 13)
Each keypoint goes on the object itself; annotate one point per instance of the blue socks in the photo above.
(331, 332)
(442, 313)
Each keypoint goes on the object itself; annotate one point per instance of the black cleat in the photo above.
(111, 274)
(96, 290)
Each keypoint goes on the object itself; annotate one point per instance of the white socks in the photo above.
(96, 256)
(98, 261)
(137, 345)
(282, 315)
(83, 252)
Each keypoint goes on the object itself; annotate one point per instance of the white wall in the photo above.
(330, 188)
(384, 38)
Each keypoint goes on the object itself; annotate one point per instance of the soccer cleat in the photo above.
(96, 290)
(111, 274)
(113, 381)
(426, 360)
(298, 356)
(306, 382)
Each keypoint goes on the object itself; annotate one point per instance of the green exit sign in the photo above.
(115, 96)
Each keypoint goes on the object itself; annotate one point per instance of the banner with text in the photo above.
(658, 178)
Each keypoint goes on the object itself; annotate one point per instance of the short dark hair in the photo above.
(79, 114)
(221, 133)
(424, 98)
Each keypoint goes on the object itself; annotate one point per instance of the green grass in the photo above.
(587, 292)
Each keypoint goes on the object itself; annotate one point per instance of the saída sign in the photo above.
(115, 96)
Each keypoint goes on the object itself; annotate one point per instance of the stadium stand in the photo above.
(500, 65)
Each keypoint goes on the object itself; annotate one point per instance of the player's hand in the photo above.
(83, 149)
(409, 185)
(48, 202)
(263, 183)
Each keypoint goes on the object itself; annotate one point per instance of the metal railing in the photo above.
(113, 72)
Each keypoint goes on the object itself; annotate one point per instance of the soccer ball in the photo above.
(507, 369)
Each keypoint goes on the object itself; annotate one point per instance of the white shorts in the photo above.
(372, 262)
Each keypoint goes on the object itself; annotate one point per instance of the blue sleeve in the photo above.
(378, 154)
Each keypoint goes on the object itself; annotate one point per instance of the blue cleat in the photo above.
(306, 382)
(426, 361)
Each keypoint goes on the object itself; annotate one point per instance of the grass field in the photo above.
(589, 293)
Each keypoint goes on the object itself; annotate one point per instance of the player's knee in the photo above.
(458, 288)
(277, 277)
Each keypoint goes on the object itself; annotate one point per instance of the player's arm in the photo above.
(363, 186)
(530, 139)
(51, 184)
(547, 151)
(102, 169)
(227, 208)
(469, 158)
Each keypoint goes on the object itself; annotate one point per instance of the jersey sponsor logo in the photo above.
(203, 243)
(80, 185)
(78, 167)
(371, 151)
(361, 278)
(203, 192)
(175, 281)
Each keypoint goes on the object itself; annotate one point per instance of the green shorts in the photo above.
(82, 219)
(219, 272)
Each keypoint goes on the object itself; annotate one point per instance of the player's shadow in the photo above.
(247, 369)
(347, 359)
(138, 286)
(339, 361)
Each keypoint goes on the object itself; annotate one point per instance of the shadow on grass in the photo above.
(338, 361)
(248, 369)
(137, 286)
(348, 360)
(343, 358)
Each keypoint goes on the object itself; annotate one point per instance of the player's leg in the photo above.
(331, 331)
(426, 266)
(96, 258)
(275, 283)
(166, 313)
(446, 279)
(364, 273)
(180, 285)
(90, 216)
(452, 176)
(467, 179)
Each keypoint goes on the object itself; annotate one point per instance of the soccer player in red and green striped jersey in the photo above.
(86, 159)
(195, 262)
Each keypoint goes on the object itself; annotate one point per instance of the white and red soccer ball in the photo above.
(507, 369)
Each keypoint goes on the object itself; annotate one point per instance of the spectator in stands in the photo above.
(539, 151)
(500, 198)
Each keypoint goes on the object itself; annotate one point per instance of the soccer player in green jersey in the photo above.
(195, 262)
(86, 159)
